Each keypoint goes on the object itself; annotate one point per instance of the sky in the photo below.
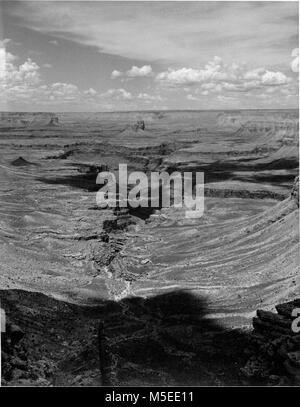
(114, 56)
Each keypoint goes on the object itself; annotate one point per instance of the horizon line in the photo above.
(148, 110)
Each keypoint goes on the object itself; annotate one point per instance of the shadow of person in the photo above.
(166, 339)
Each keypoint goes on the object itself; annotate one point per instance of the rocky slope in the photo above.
(275, 346)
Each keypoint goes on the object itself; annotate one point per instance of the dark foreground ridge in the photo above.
(163, 340)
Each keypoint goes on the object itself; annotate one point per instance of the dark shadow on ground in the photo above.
(21, 162)
(272, 179)
(223, 170)
(86, 182)
(217, 171)
(163, 340)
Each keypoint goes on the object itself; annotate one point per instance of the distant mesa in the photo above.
(28, 120)
(139, 125)
(54, 121)
(160, 115)
(20, 162)
(25, 122)
(229, 120)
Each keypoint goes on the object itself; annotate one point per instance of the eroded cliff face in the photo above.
(274, 346)
(14, 120)
(173, 295)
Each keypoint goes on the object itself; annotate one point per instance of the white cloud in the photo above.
(135, 71)
(117, 94)
(6, 59)
(26, 73)
(216, 76)
(196, 97)
(266, 77)
(191, 97)
(2, 62)
(90, 92)
(183, 76)
(149, 98)
(213, 70)
(116, 74)
(274, 78)
(225, 98)
(65, 90)
(254, 74)
(23, 84)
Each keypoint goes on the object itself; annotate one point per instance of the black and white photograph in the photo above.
(149, 196)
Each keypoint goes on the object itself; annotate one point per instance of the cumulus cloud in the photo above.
(266, 77)
(6, 59)
(183, 76)
(23, 84)
(274, 78)
(226, 98)
(149, 98)
(190, 76)
(135, 71)
(191, 97)
(117, 94)
(25, 74)
(66, 90)
(116, 74)
(90, 92)
(2, 62)
(216, 76)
